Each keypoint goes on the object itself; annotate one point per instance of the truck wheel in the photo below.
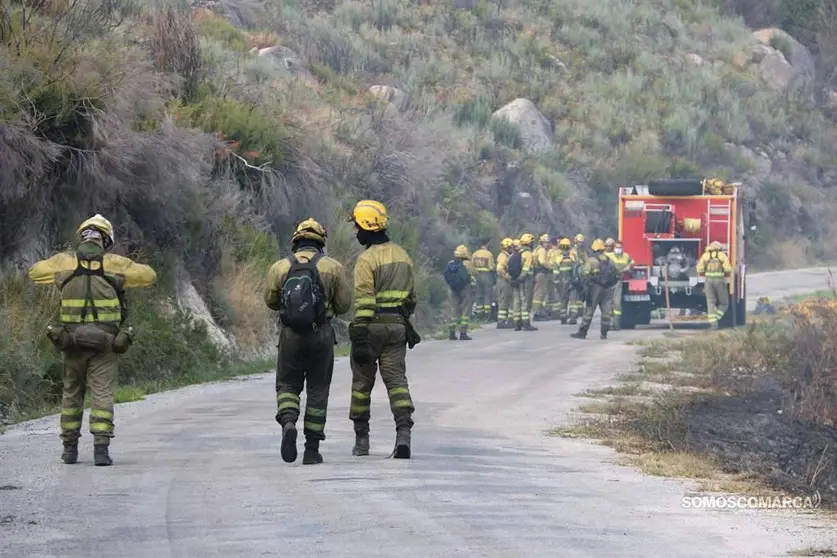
(629, 315)
(740, 309)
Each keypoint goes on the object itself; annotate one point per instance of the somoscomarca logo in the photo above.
(751, 502)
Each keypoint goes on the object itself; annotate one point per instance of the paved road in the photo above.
(197, 472)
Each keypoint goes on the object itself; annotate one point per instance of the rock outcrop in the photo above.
(535, 130)
(399, 99)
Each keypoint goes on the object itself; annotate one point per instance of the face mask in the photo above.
(618, 250)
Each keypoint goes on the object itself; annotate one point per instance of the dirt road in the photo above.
(197, 471)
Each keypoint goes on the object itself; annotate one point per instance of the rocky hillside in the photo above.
(205, 132)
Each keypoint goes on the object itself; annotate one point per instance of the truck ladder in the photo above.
(719, 214)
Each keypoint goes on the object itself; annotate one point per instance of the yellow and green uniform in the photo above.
(579, 252)
(90, 300)
(307, 358)
(597, 295)
(562, 272)
(384, 297)
(522, 287)
(462, 302)
(483, 273)
(504, 287)
(542, 275)
(715, 267)
(623, 262)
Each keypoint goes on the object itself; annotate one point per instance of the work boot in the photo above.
(289, 451)
(563, 321)
(528, 327)
(452, 333)
(311, 455)
(507, 324)
(463, 335)
(101, 458)
(361, 447)
(604, 334)
(518, 325)
(70, 454)
(580, 334)
(402, 443)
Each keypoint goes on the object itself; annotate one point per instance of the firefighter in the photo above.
(715, 267)
(552, 256)
(306, 346)
(460, 270)
(563, 264)
(624, 263)
(522, 286)
(579, 252)
(504, 288)
(380, 331)
(599, 294)
(483, 264)
(542, 275)
(764, 306)
(91, 333)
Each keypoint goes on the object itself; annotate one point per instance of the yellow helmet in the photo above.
(526, 239)
(544, 238)
(610, 242)
(565, 243)
(579, 237)
(310, 229)
(597, 245)
(715, 246)
(461, 252)
(100, 224)
(370, 215)
(506, 243)
(516, 243)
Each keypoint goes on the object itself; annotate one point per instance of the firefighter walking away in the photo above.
(522, 274)
(380, 330)
(91, 332)
(563, 265)
(542, 276)
(715, 267)
(599, 277)
(308, 289)
(459, 275)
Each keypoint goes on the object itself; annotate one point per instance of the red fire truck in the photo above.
(666, 226)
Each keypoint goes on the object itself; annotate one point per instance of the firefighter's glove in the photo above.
(362, 352)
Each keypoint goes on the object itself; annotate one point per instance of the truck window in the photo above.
(658, 222)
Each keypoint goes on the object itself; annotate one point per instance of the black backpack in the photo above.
(457, 276)
(608, 275)
(515, 265)
(303, 296)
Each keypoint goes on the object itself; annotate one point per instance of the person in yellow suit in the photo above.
(461, 293)
(483, 264)
(624, 263)
(504, 288)
(715, 267)
(522, 286)
(552, 293)
(380, 331)
(579, 253)
(91, 333)
(542, 276)
(563, 264)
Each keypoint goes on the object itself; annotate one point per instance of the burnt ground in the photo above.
(750, 434)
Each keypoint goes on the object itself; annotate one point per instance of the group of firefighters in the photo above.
(309, 289)
(559, 279)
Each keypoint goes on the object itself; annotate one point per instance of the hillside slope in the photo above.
(205, 132)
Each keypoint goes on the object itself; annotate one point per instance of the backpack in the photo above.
(515, 265)
(87, 273)
(303, 296)
(457, 276)
(608, 275)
